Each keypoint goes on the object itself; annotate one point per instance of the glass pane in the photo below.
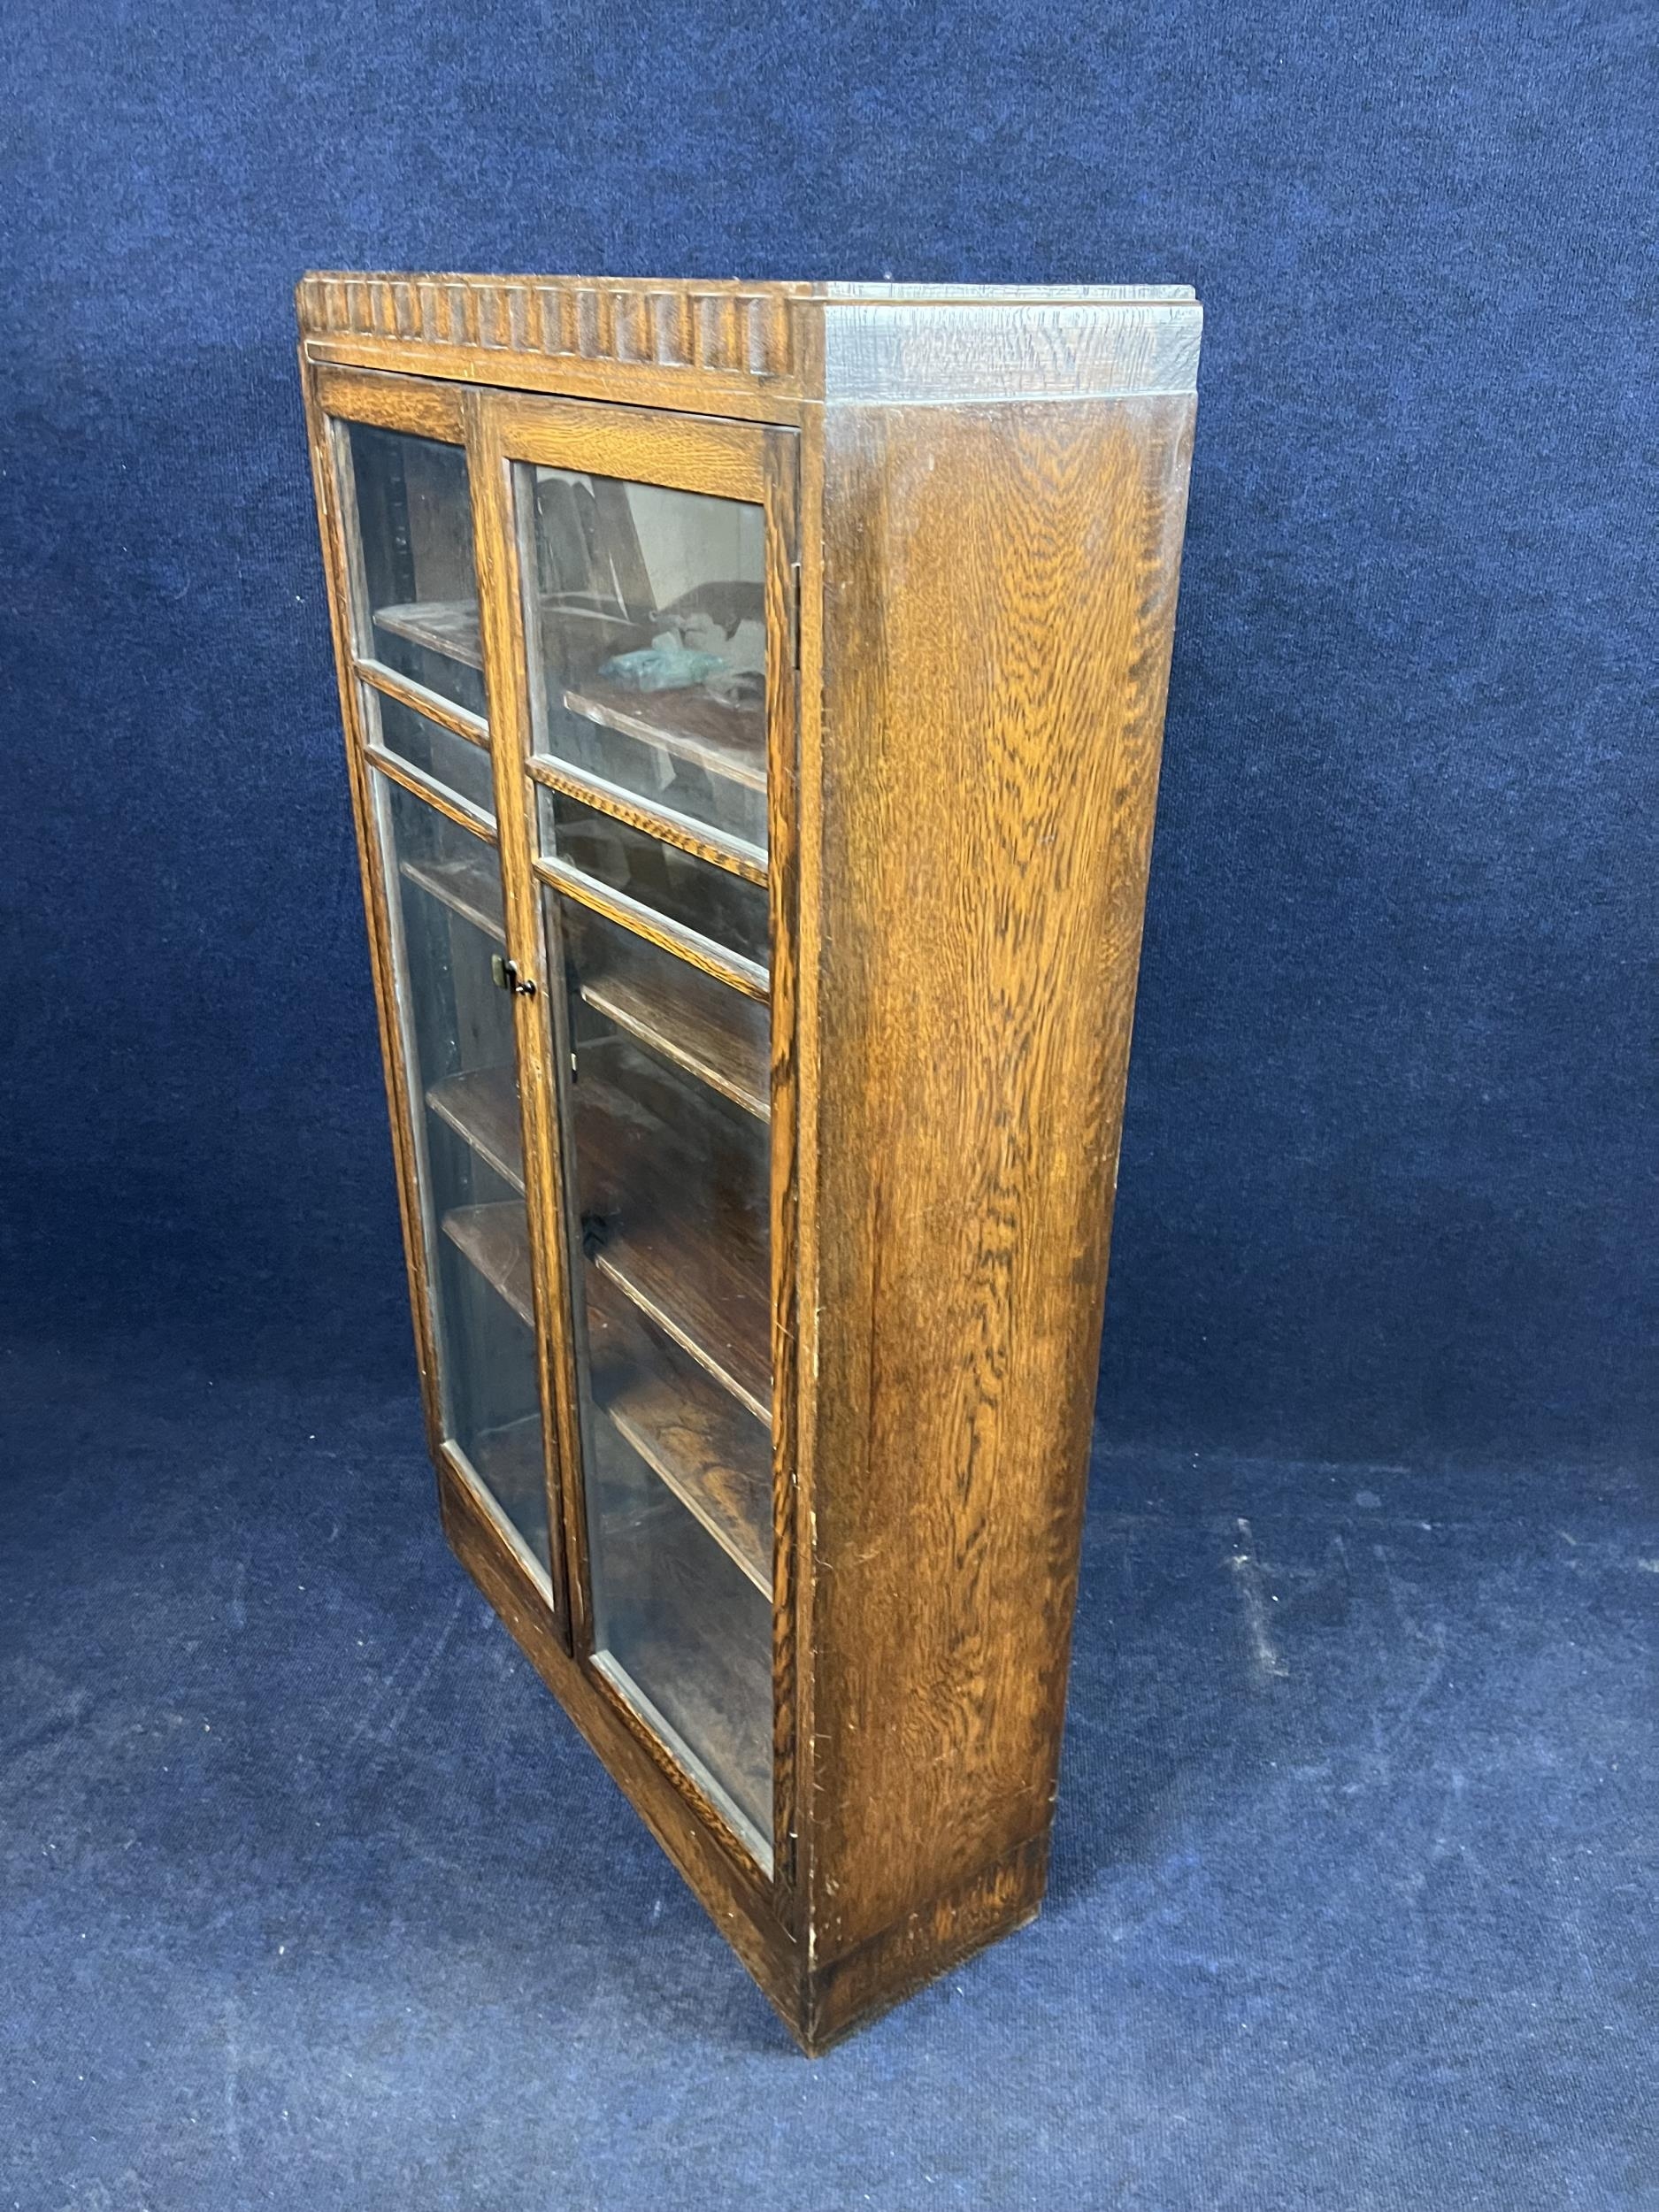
(455, 761)
(728, 910)
(649, 617)
(448, 905)
(676, 1012)
(670, 1153)
(415, 524)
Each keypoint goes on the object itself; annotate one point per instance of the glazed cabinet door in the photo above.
(394, 486)
(645, 600)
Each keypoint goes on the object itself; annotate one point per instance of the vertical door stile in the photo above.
(782, 786)
(798, 929)
(539, 963)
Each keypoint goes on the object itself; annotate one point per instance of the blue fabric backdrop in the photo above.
(307, 1896)
(1387, 1180)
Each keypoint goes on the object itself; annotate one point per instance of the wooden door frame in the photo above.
(336, 399)
(722, 460)
(726, 458)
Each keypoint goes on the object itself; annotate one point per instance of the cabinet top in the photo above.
(762, 350)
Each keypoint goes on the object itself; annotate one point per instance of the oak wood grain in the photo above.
(726, 393)
(765, 351)
(636, 444)
(896, 352)
(998, 600)
(845, 1993)
(782, 474)
(411, 404)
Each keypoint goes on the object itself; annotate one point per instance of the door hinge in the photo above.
(508, 977)
(795, 578)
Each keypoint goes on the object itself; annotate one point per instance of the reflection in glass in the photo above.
(415, 527)
(649, 622)
(446, 887)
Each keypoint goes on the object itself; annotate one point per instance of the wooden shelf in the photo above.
(709, 1450)
(728, 741)
(448, 626)
(469, 887)
(685, 1659)
(689, 1257)
(693, 1407)
(496, 1240)
(482, 1106)
(509, 1463)
(698, 1024)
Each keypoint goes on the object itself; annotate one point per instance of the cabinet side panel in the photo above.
(998, 606)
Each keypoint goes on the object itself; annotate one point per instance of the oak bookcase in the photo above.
(753, 697)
